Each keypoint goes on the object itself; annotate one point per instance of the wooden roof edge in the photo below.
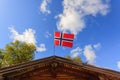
(93, 67)
(84, 65)
(101, 70)
(97, 69)
(31, 63)
(23, 64)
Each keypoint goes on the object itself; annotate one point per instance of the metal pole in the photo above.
(54, 45)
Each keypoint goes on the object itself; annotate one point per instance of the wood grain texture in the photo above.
(56, 68)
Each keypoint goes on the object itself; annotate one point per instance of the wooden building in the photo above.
(56, 68)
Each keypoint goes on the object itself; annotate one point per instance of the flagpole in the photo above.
(54, 44)
(54, 50)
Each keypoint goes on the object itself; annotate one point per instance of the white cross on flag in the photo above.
(63, 39)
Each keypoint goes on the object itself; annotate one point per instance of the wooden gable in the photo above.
(56, 68)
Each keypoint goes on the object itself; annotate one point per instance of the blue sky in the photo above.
(95, 24)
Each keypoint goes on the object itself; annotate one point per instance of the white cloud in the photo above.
(44, 5)
(118, 64)
(48, 34)
(27, 36)
(97, 46)
(75, 11)
(41, 48)
(76, 52)
(89, 53)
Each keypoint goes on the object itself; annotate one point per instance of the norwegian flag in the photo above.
(63, 39)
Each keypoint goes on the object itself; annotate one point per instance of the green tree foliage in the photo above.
(1, 57)
(78, 59)
(17, 52)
